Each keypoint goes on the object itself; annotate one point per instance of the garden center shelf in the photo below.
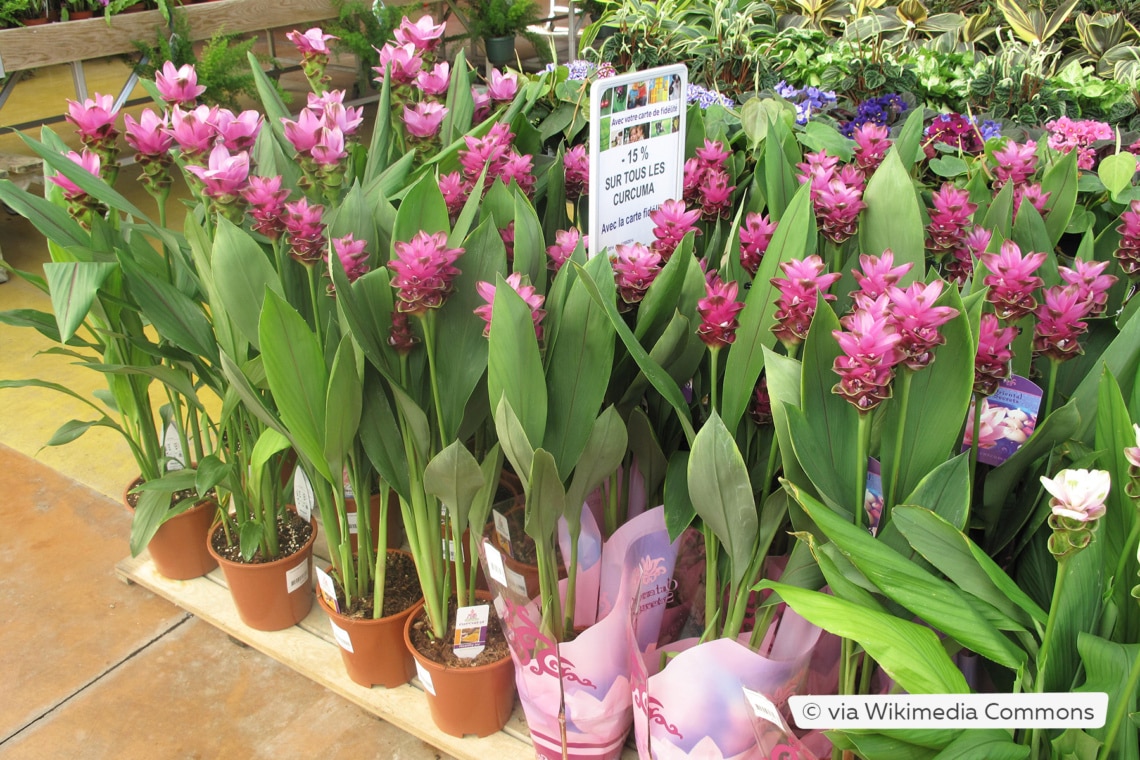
(310, 649)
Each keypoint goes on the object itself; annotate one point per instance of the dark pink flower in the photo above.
(803, 281)
(195, 131)
(266, 201)
(482, 105)
(715, 194)
(435, 82)
(305, 231)
(520, 169)
(400, 337)
(424, 35)
(1128, 249)
(423, 272)
(866, 366)
(992, 362)
(149, 136)
(635, 269)
(718, 310)
(94, 119)
(760, 405)
(178, 86)
(1012, 280)
(961, 265)
(424, 119)
(502, 87)
(1091, 283)
(489, 151)
(1033, 193)
(949, 219)
(916, 319)
(872, 142)
(353, 256)
(820, 168)
(455, 191)
(713, 154)
(837, 208)
(1059, 326)
(755, 236)
(672, 222)
(532, 297)
(565, 243)
(225, 176)
(577, 166)
(90, 162)
(879, 274)
(1015, 163)
(508, 237)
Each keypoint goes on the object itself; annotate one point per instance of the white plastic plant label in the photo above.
(516, 582)
(348, 492)
(352, 523)
(328, 589)
(303, 497)
(763, 708)
(495, 564)
(296, 577)
(341, 636)
(172, 448)
(503, 529)
(425, 678)
(471, 631)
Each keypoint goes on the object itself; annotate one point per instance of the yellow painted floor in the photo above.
(95, 668)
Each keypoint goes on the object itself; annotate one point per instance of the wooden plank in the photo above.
(49, 44)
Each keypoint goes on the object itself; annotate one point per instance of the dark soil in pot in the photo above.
(292, 534)
(440, 650)
(401, 589)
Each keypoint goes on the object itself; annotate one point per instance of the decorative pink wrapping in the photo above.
(587, 679)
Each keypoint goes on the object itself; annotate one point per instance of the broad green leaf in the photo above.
(1060, 181)
(1031, 234)
(1076, 613)
(383, 443)
(679, 512)
(985, 744)
(73, 429)
(176, 318)
(422, 210)
(210, 472)
(530, 247)
(73, 287)
(893, 218)
(514, 365)
(779, 178)
(546, 499)
(516, 446)
(342, 406)
(783, 375)
(1107, 667)
(1117, 171)
(243, 273)
(601, 455)
(909, 142)
(52, 221)
(151, 511)
(454, 477)
(177, 380)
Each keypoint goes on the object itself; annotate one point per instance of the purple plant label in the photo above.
(873, 496)
(327, 589)
(1005, 420)
(471, 631)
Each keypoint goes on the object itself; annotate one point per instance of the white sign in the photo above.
(341, 636)
(637, 153)
(495, 563)
(296, 577)
(952, 711)
(172, 447)
(303, 497)
(425, 678)
(763, 707)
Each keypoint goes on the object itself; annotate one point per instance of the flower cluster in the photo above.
(266, 205)
(992, 361)
(577, 167)
(321, 136)
(1066, 135)
(1083, 294)
(958, 132)
(871, 145)
(423, 272)
(718, 310)
(808, 101)
(353, 256)
(304, 231)
(313, 47)
(1077, 504)
(836, 193)
(672, 221)
(533, 299)
(881, 111)
(755, 236)
(178, 86)
(224, 180)
(79, 203)
(916, 320)
(866, 365)
(707, 181)
(497, 154)
(1128, 249)
(705, 98)
(1012, 280)
(950, 220)
(565, 242)
(803, 282)
(635, 269)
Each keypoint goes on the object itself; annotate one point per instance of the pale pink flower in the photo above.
(1019, 425)
(424, 119)
(1033, 193)
(404, 61)
(991, 425)
(502, 87)
(424, 35)
(88, 161)
(225, 176)
(329, 149)
(1012, 280)
(195, 130)
(305, 132)
(178, 86)
(237, 132)
(329, 107)
(434, 83)
(423, 272)
(313, 42)
(532, 297)
(482, 102)
(718, 310)
(803, 281)
(1078, 495)
(1132, 453)
(149, 136)
(635, 269)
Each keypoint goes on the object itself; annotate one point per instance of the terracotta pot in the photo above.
(476, 700)
(178, 548)
(522, 577)
(378, 655)
(79, 15)
(271, 596)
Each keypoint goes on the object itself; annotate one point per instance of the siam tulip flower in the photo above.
(225, 176)
(424, 35)
(490, 151)
(502, 87)
(961, 264)
(482, 103)
(1078, 495)
(423, 272)
(353, 256)
(866, 366)
(871, 145)
(992, 362)
(1128, 249)
(1091, 282)
(879, 274)
(990, 423)
(702, 190)
(672, 222)
(820, 168)
(507, 234)
(434, 83)
(305, 231)
(88, 161)
(916, 319)
(803, 281)
(755, 236)
(149, 136)
(424, 119)
(266, 207)
(715, 195)
(577, 167)
(305, 132)
(760, 405)
(312, 42)
(94, 119)
(533, 299)
(635, 269)
(237, 132)
(1132, 453)
(1015, 163)
(693, 172)
(1058, 329)
(520, 169)
(837, 208)
(1012, 280)
(329, 107)
(1033, 193)
(713, 154)
(195, 130)
(949, 219)
(401, 338)
(403, 61)
(718, 310)
(455, 192)
(178, 86)
(850, 175)
(565, 243)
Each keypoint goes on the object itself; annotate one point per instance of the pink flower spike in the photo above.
(872, 142)
(423, 272)
(799, 288)
(1078, 494)
(532, 297)
(520, 169)
(1128, 249)
(755, 236)
(1091, 282)
(266, 201)
(917, 320)
(178, 86)
(837, 207)
(577, 166)
(304, 133)
(312, 42)
(150, 135)
(89, 161)
(455, 191)
(879, 273)
(1015, 163)
(718, 310)
(482, 102)
(866, 366)
(673, 221)
(353, 256)
(305, 231)
(1058, 329)
(715, 194)
(404, 60)
(565, 243)
(424, 120)
(226, 176)
(424, 35)
(502, 87)
(635, 269)
(329, 150)
(238, 132)
(992, 362)
(434, 83)
(1012, 280)
(713, 154)
(195, 131)
(94, 118)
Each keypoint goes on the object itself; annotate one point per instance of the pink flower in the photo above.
(502, 87)
(1065, 135)
(635, 269)
(305, 132)
(455, 191)
(490, 151)
(195, 131)
(715, 194)
(917, 319)
(533, 299)
(961, 265)
(991, 425)
(238, 132)
(329, 107)
(565, 243)
(178, 86)
(1012, 280)
(991, 364)
(94, 118)
(149, 136)
(866, 366)
(949, 219)
(718, 310)
(1091, 283)
(305, 231)
(266, 202)
(225, 176)
(423, 272)
(404, 61)
(518, 168)
(434, 83)
(90, 162)
(424, 119)
(401, 338)
(799, 288)
(353, 256)
(508, 237)
(820, 168)
(760, 405)
(1033, 193)
(1015, 163)
(871, 145)
(879, 274)
(482, 102)
(1078, 495)
(837, 208)
(423, 35)
(577, 166)
(1058, 329)
(755, 236)
(713, 154)
(1132, 453)
(312, 42)
(672, 222)
(1128, 249)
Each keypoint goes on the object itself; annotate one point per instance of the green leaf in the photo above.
(177, 380)
(1076, 613)
(211, 471)
(514, 365)
(679, 512)
(1107, 666)
(454, 477)
(73, 287)
(601, 455)
(51, 220)
(1060, 181)
(1114, 433)
(176, 318)
(820, 136)
(382, 442)
(516, 446)
(245, 274)
(73, 429)
(893, 218)
(422, 210)
(1117, 171)
(985, 744)
(909, 143)
(530, 248)
(343, 406)
(151, 511)
(722, 493)
(909, 653)
(546, 500)
(779, 178)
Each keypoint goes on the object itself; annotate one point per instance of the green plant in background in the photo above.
(361, 28)
(501, 18)
(644, 34)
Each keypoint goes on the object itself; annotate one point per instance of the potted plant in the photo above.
(498, 22)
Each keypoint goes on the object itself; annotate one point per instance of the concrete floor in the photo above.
(94, 668)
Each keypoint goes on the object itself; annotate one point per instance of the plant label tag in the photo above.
(341, 636)
(327, 589)
(495, 567)
(351, 522)
(762, 707)
(516, 582)
(471, 631)
(172, 447)
(773, 737)
(873, 495)
(348, 492)
(1004, 421)
(449, 548)
(503, 529)
(303, 497)
(296, 577)
(425, 678)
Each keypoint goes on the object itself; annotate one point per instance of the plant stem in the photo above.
(977, 426)
(1120, 710)
(312, 275)
(428, 322)
(1044, 653)
(714, 354)
(1053, 367)
(864, 435)
(770, 470)
(712, 601)
(380, 575)
(571, 582)
(896, 455)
